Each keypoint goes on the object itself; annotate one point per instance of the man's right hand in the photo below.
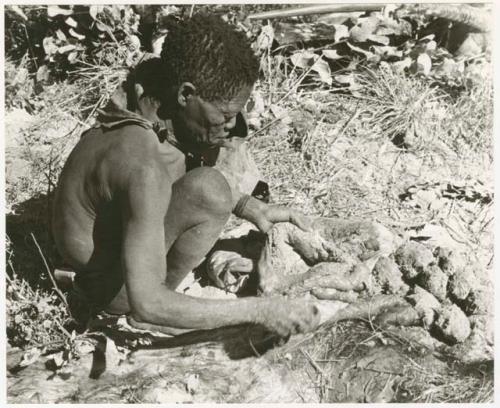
(286, 317)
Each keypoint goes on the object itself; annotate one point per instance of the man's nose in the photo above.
(230, 124)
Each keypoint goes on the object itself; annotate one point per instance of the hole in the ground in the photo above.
(399, 141)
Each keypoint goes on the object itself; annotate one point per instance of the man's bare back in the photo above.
(133, 223)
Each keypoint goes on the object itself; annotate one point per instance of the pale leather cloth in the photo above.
(238, 167)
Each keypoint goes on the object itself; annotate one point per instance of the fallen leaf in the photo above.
(473, 45)
(73, 33)
(95, 10)
(381, 39)
(402, 65)
(115, 11)
(58, 359)
(53, 11)
(427, 38)
(30, 357)
(66, 48)
(365, 27)
(323, 70)
(101, 27)
(303, 59)
(424, 64)
(49, 46)
(72, 56)
(431, 46)
(357, 34)
(341, 31)
(331, 54)
(71, 22)
(60, 35)
(135, 42)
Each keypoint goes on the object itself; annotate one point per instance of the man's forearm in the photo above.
(176, 310)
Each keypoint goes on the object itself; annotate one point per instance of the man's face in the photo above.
(200, 123)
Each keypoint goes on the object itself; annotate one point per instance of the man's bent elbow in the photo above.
(155, 308)
(143, 310)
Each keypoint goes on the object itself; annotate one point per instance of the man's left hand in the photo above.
(264, 216)
(277, 213)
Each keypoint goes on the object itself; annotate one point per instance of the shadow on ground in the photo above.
(27, 225)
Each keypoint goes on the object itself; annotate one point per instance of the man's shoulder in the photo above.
(125, 154)
(131, 144)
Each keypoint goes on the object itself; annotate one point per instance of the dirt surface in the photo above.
(208, 367)
(232, 364)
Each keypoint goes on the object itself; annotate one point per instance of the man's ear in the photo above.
(186, 90)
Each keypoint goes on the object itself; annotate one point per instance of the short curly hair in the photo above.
(211, 54)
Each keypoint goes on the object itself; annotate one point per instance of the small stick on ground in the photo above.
(366, 309)
(56, 288)
(312, 362)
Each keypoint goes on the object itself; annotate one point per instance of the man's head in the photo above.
(211, 69)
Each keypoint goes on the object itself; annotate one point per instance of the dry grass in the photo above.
(320, 362)
(397, 103)
(426, 386)
(35, 318)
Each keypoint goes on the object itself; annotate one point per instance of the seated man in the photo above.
(131, 220)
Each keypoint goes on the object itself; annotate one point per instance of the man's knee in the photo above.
(208, 188)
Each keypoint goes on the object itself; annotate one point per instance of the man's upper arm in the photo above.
(144, 205)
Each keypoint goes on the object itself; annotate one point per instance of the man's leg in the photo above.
(200, 206)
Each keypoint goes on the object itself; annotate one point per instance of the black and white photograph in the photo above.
(248, 203)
